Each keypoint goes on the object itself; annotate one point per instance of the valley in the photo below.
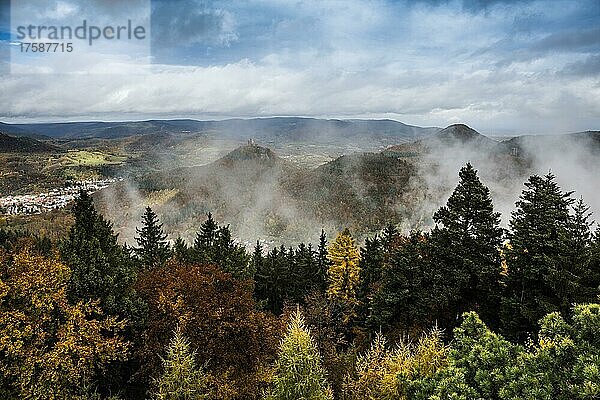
(272, 178)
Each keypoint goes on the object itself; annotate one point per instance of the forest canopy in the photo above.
(466, 310)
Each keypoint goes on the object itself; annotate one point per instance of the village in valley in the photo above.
(51, 200)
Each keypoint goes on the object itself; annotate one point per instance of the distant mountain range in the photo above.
(295, 128)
(264, 195)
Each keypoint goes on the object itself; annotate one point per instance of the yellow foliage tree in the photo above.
(50, 348)
(344, 272)
(384, 373)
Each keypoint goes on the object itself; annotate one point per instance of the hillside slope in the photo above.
(11, 144)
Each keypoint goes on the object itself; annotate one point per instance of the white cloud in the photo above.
(423, 65)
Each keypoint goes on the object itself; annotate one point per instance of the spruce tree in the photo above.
(153, 249)
(344, 273)
(181, 250)
(298, 370)
(206, 237)
(465, 244)
(272, 280)
(540, 272)
(101, 269)
(322, 260)
(215, 245)
(181, 378)
(306, 275)
(371, 266)
(580, 248)
(257, 257)
(389, 234)
(592, 273)
(405, 297)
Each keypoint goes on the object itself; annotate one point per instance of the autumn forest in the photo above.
(465, 310)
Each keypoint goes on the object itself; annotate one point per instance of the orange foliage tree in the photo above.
(218, 314)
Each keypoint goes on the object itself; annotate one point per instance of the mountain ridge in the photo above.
(13, 144)
(295, 127)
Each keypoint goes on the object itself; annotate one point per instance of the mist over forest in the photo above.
(283, 187)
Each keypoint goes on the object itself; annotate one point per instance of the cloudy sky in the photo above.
(501, 66)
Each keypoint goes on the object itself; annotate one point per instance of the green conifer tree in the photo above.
(153, 249)
(306, 275)
(298, 371)
(540, 273)
(181, 378)
(215, 245)
(258, 258)
(371, 266)
(322, 260)
(405, 297)
(583, 284)
(181, 251)
(101, 268)
(592, 273)
(466, 247)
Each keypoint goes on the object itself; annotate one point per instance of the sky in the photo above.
(500, 66)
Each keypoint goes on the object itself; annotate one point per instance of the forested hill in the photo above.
(264, 195)
(11, 144)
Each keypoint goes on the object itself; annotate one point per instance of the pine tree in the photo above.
(181, 378)
(206, 237)
(306, 274)
(371, 266)
(181, 250)
(580, 248)
(272, 280)
(540, 273)
(298, 371)
(322, 260)
(153, 249)
(405, 298)
(257, 257)
(592, 273)
(215, 245)
(101, 268)
(465, 244)
(389, 234)
(344, 273)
